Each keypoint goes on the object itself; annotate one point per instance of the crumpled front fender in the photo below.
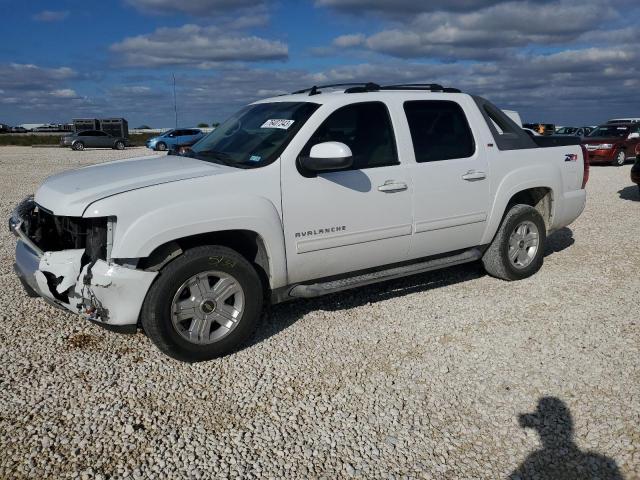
(113, 294)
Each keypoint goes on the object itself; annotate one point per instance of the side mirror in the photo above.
(328, 156)
(633, 135)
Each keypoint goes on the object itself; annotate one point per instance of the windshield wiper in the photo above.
(222, 157)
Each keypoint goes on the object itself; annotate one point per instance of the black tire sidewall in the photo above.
(161, 147)
(78, 146)
(510, 224)
(157, 310)
(119, 145)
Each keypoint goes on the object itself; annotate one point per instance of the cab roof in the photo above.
(337, 92)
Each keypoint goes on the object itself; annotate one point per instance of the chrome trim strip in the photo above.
(17, 231)
(344, 239)
(427, 226)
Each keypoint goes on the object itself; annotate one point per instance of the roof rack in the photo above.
(434, 87)
(362, 87)
(315, 90)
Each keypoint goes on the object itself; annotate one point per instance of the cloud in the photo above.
(398, 7)
(19, 76)
(64, 93)
(51, 15)
(472, 30)
(199, 46)
(348, 41)
(199, 8)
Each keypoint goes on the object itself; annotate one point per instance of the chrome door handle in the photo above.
(391, 186)
(472, 175)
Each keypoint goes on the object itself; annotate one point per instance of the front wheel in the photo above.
(119, 145)
(161, 146)
(204, 304)
(78, 146)
(517, 251)
(619, 158)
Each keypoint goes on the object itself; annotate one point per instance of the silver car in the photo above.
(93, 139)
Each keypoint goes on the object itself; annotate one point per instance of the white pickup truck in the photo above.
(295, 196)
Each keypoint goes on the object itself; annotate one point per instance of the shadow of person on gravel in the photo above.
(560, 458)
(558, 241)
(631, 192)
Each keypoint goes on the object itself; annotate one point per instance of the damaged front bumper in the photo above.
(102, 292)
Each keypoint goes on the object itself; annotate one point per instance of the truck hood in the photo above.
(70, 193)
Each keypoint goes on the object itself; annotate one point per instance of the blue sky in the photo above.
(557, 61)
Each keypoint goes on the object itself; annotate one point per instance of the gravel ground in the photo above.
(424, 377)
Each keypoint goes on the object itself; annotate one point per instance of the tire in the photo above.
(619, 158)
(201, 306)
(119, 145)
(161, 146)
(513, 238)
(78, 146)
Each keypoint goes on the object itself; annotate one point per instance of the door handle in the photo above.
(391, 186)
(472, 175)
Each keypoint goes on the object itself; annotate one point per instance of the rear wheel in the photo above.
(619, 158)
(517, 251)
(119, 145)
(204, 304)
(78, 146)
(161, 146)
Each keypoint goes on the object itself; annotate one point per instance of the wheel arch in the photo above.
(538, 195)
(247, 243)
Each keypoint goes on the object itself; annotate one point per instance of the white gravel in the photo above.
(423, 377)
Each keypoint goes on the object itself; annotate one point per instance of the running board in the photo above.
(319, 289)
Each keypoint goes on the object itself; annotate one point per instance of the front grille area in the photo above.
(54, 233)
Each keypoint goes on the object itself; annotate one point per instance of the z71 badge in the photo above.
(570, 157)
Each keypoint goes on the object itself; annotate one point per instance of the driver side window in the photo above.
(365, 128)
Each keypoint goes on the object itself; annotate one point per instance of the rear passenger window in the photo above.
(365, 128)
(439, 130)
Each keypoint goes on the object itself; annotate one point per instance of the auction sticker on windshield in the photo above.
(277, 123)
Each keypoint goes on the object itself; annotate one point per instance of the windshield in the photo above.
(566, 131)
(255, 136)
(167, 133)
(610, 131)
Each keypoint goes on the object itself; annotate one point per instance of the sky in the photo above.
(554, 61)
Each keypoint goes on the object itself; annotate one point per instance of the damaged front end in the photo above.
(67, 261)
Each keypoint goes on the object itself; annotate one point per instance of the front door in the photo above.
(450, 177)
(345, 221)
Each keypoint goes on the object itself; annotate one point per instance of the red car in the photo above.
(613, 143)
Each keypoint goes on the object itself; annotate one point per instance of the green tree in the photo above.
(215, 124)
(203, 125)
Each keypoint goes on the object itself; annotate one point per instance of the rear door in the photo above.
(450, 177)
(348, 220)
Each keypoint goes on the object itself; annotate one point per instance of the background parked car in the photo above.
(612, 143)
(573, 131)
(635, 170)
(625, 120)
(93, 139)
(178, 137)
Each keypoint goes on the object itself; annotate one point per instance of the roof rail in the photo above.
(434, 87)
(315, 89)
(362, 87)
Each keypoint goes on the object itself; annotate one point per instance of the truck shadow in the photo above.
(630, 193)
(282, 316)
(560, 457)
(558, 241)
